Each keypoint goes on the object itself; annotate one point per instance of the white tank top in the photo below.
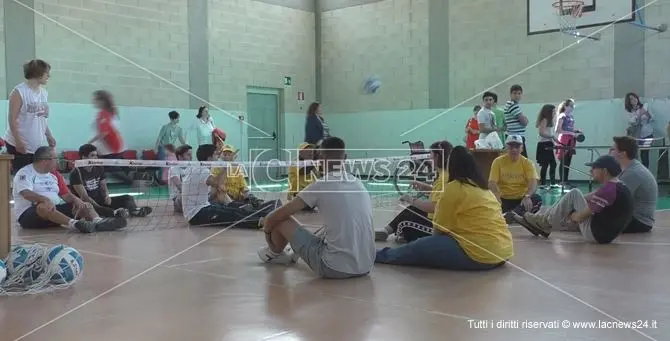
(32, 119)
(546, 131)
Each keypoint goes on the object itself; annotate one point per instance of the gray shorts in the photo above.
(310, 248)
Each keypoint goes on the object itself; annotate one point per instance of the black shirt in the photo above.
(90, 179)
(612, 205)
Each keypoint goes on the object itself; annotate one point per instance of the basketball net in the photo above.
(568, 12)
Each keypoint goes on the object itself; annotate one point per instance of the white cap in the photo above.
(514, 139)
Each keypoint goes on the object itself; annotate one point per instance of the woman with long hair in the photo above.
(107, 139)
(204, 126)
(566, 138)
(469, 230)
(108, 132)
(28, 115)
(639, 122)
(416, 221)
(544, 154)
(316, 128)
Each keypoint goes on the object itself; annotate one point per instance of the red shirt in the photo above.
(471, 138)
(108, 127)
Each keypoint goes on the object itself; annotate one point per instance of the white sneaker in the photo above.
(267, 256)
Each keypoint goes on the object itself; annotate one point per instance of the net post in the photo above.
(5, 209)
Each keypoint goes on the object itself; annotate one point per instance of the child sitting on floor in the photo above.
(299, 178)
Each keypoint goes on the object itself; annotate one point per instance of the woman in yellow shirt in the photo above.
(416, 220)
(469, 231)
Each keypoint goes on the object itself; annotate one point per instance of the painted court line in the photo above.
(159, 264)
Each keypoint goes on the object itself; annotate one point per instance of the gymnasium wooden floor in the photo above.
(159, 280)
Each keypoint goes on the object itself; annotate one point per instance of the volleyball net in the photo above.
(154, 193)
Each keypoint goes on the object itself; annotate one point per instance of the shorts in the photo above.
(310, 248)
(30, 220)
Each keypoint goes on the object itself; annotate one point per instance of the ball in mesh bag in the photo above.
(372, 85)
(3, 271)
(65, 263)
(17, 258)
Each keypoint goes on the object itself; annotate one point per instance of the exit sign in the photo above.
(287, 81)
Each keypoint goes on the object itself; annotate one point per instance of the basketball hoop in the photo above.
(568, 13)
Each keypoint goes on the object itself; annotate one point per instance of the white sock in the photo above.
(71, 223)
(272, 253)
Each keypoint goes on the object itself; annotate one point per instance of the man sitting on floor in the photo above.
(639, 181)
(513, 180)
(90, 184)
(183, 153)
(347, 248)
(600, 217)
(43, 199)
(195, 190)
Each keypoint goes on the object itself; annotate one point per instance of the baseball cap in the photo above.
(305, 145)
(608, 163)
(228, 148)
(514, 139)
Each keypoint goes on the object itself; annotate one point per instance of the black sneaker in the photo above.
(85, 226)
(142, 212)
(110, 224)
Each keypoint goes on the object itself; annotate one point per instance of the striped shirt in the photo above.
(512, 113)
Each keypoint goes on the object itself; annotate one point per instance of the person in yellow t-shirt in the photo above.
(299, 178)
(416, 221)
(469, 230)
(513, 180)
(232, 186)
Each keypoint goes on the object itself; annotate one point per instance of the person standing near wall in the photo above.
(28, 114)
(639, 122)
(544, 154)
(566, 134)
(169, 135)
(204, 126)
(108, 138)
(316, 128)
(515, 120)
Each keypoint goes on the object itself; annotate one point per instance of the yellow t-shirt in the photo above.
(298, 180)
(474, 218)
(438, 189)
(235, 182)
(512, 177)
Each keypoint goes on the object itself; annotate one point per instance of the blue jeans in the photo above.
(437, 251)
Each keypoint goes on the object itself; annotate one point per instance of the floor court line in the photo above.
(157, 265)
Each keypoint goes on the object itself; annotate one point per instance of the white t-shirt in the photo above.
(485, 117)
(346, 208)
(175, 172)
(194, 190)
(203, 131)
(32, 119)
(50, 185)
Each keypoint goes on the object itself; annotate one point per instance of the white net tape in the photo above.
(30, 271)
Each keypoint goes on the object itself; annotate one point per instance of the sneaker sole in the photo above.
(530, 227)
(111, 225)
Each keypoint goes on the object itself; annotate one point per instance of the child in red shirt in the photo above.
(472, 129)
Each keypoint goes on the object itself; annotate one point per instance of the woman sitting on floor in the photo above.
(415, 221)
(469, 232)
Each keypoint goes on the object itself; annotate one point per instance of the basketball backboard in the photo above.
(542, 18)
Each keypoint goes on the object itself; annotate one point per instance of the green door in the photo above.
(263, 117)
